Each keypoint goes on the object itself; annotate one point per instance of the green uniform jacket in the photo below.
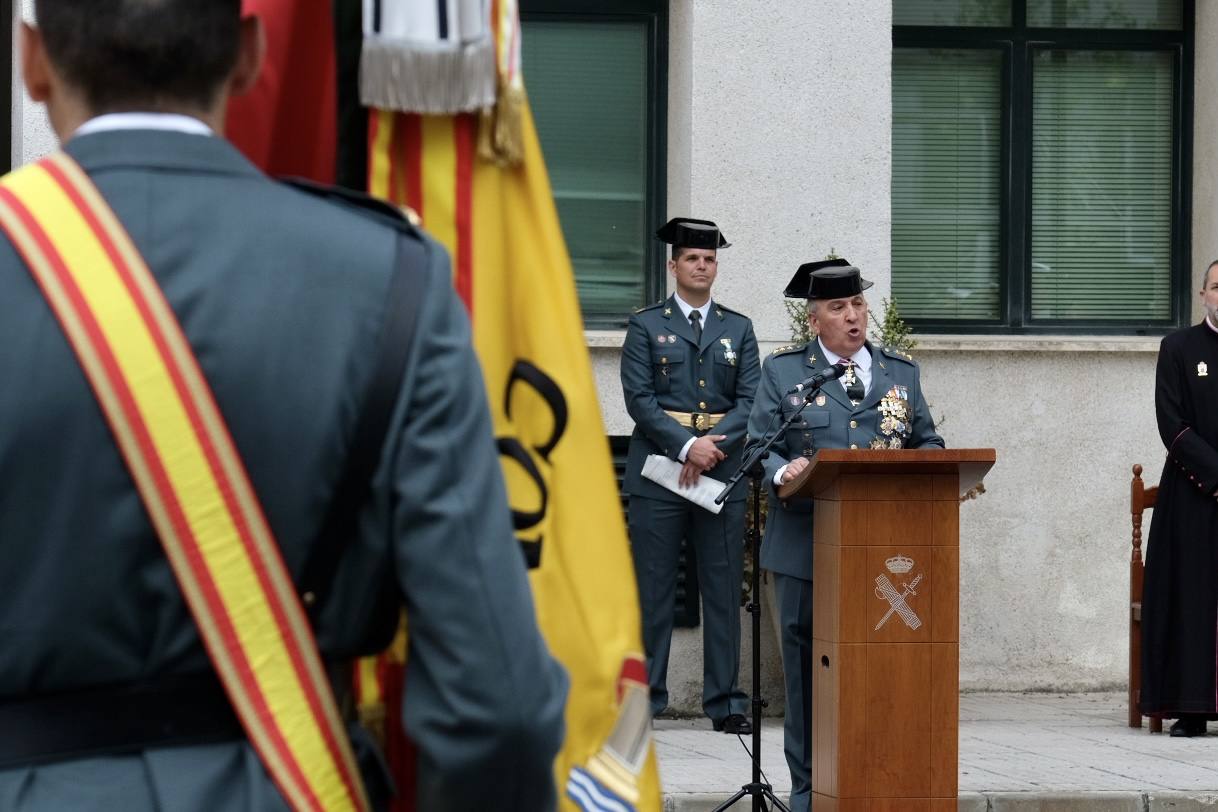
(830, 421)
(664, 369)
(282, 296)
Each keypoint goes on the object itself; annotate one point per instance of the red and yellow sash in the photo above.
(189, 475)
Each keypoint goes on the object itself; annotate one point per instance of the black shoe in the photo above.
(1186, 727)
(734, 723)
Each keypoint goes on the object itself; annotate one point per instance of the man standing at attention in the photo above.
(876, 403)
(689, 372)
(1180, 597)
(253, 326)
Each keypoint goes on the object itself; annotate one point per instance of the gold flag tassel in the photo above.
(501, 129)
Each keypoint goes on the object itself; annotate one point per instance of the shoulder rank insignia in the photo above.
(787, 348)
(900, 355)
(648, 306)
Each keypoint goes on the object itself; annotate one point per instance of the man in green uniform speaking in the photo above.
(108, 696)
(689, 372)
(877, 403)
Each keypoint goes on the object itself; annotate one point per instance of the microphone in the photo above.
(819, 379)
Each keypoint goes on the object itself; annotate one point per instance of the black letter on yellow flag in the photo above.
(524, 521)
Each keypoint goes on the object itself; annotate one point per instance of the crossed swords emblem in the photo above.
(896, 600)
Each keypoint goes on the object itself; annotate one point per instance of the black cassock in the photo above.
(1180, 600)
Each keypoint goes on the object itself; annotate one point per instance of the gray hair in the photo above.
(812, 306)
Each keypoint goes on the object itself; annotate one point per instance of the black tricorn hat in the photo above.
(827, 279)
(686, 232)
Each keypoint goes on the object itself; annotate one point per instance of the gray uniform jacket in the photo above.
(664, 369)
(830, 421)
(281, 295)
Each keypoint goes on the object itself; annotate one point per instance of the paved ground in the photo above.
(1018, 753)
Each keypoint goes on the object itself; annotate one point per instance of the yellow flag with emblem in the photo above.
(478, 183)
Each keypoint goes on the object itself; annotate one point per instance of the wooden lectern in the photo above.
(886, 625)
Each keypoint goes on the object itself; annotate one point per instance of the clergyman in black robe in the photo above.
(1180, 598)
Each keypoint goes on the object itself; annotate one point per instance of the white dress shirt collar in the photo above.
(861, 359)
(143, 121)
(687, 308)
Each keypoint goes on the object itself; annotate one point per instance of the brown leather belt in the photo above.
(699, 421)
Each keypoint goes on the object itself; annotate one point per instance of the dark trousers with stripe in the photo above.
(656, 529)
(794, 598)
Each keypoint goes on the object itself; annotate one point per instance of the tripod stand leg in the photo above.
(758, 791)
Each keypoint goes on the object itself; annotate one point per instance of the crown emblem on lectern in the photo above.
(899, 564)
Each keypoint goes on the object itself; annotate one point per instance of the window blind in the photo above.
(951, 12)
(1139, 14)
(1101, 185)
(946, 183)
(587, 88)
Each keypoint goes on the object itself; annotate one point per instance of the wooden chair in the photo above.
(1141, 498)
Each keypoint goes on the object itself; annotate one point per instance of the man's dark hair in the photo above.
(142, 54)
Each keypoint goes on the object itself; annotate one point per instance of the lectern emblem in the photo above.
(884, 590)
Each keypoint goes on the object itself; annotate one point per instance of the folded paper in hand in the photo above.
(667, 473)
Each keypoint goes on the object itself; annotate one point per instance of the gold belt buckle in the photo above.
(700, 420)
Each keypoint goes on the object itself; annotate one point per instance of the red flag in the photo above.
(286, 124)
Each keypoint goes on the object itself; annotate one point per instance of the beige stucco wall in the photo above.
(32, 135)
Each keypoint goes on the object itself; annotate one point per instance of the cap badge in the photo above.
(1202, 370)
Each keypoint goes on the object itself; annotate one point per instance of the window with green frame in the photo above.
(596, 78)
(1041, 154)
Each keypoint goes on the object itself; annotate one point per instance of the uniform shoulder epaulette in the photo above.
(788, 349)
(727, 309)
(648, 307)
(900, 355)
(399, 217)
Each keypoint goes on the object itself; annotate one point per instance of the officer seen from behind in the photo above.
(108, 697)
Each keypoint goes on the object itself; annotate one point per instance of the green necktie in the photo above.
(695, 321)
(854, 383)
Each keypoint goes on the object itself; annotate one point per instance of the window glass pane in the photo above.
(946, 183)
(587, 87)
(1158, 14)
(1101, 185)
(951, 12)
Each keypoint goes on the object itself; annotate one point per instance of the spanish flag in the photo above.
(478, 182)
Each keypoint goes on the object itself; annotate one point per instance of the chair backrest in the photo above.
(1141, 499)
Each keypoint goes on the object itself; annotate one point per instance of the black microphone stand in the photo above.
(752, 467)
